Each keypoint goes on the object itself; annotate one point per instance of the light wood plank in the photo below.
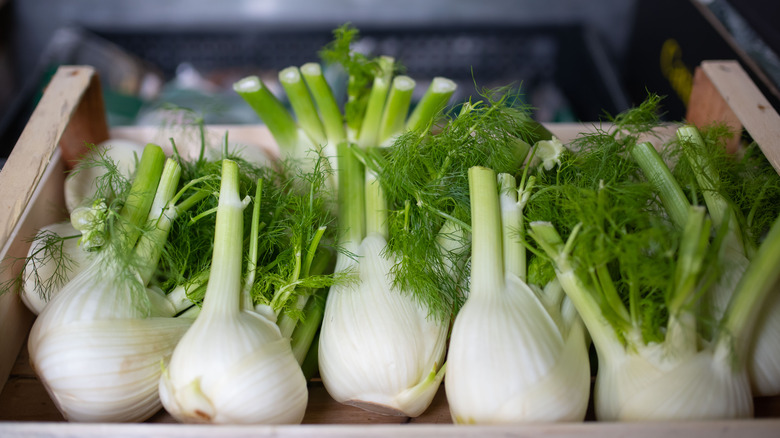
(707, 106)
(712, 429)
(47, 205)
(750, 107)
(73, 93)
(70, 113)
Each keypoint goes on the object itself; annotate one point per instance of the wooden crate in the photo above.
(71, 113)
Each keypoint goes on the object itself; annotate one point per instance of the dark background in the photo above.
(573, 60)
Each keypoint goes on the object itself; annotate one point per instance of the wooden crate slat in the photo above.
(71, 110)
(723, 92)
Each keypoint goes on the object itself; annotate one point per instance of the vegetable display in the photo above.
(400, 244)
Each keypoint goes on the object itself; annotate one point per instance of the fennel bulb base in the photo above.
(764, 361)
(378, 349)
(257, 382)
(701, 387)
(562, 395)
(106, 371)
(510, 363)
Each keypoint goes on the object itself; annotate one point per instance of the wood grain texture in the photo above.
(46, 205)
(728, 95)
(708, 106)
(73, 93)
(69, 114)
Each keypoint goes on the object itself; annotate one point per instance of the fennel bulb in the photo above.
(232, 365)
(724, 194)
(46, 272)
(654, 383)
(94, 346)
(509, 363)
(637, 274)
(81, 185)
(764, 366)
(517, 353)
(670, 379)
(378, 349)
(739, 193)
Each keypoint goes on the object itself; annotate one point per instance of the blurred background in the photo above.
(573, 60)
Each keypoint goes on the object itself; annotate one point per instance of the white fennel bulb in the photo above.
(49, 268)
(509, 363)
(95, 346)
(378, 349)
(763, 359)
(735, 255)
(517, 353)
(682, 376)
(81, 185)
(107, 370)
(764, 365)
(232, 365)
(650, 385)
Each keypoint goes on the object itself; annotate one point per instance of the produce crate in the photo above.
(71, 113)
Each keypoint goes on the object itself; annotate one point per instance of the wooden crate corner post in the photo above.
(723, 92)
(70, 114)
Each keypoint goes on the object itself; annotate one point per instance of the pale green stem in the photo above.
(487, 266)
(160, 218)
(288, 323)
(332, 119)
(302, 104)
(302, 337)
(659, 175)
(433, 101)
(251, 263)
(330, 116)
(271, 111)
(369, 128)
(707, 176)
(681, 335)
(511, 223)
(452, 241)
(302, 331)
(351, 195)
(396, 109)
(135, 210)
(223, 293)
(353, 112)
(584, 300)
(283, 293)
(178, 299)
(376, 206)
(690, 259)
(313, 250)
(608, 290)
(179, 296)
